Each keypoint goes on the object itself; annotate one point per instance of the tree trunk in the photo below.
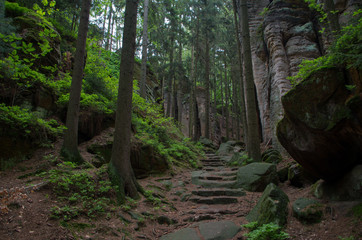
(226, 101)
(170, 80)
(241, 79)
(192, 93)
(252, 117)
(70, 144)
(111, 38)
(120, 168)
(207, 87)
(109, 25)
(180, 86)
(222, 103)
(144, 50)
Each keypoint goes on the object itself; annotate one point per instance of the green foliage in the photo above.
(270, 231)
(345, 52)
(29, 124)
(161, 133)
(79, 191)
(346, 238)
(357, 211)
(240, 161)
(14, 10)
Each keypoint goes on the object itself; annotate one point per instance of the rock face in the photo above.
(347, 188)
(256, 176)
(271, 207)
(322, 128)
(280, 41)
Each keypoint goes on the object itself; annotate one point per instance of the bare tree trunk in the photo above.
(207, 87)
(222, 103)
(111, 38)
(70, 144)
(180, 86)
(120, 168)
(109, 25)
(191, 99)
(144, 50)
(104, 22)
(227, 88)
(252, 117)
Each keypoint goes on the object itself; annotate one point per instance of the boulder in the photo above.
(308, 211)
(207, 142)
(347, 188)
(298, 177)
(256, 176)
(321, 128)
(283, 174)
(271, 207)
(271, 156)
(226, 148)
(238, 159)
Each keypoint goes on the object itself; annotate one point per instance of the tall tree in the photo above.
(120, 168)
(252, 117)
(207, 87)
(144, 50)
(70, 144)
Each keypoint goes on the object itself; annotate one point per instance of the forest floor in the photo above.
(28, 215)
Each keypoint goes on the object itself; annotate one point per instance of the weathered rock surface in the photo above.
(322, 128)
(347, 188)
(222, 230)
(256, 176)
(226, 148)
(271, 207)
(308, 211)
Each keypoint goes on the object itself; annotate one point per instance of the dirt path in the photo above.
(184, 200)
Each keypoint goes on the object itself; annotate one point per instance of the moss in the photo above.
(14, 10)
(357, 211)
(71, 157)
(118, 183)
(308, 211)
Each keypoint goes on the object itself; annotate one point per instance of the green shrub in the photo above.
(270, 231)
(79, 191)
(26, 122)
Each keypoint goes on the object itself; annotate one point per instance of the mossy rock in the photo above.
(271, 207)
(256, 176)
(271, 156)
(308, 211)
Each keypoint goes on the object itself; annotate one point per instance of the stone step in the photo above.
(219, 192)
(226, 173)
(213, 164)
(213, 200)
(199, 218)
(212, 161)
(217, 177)
(215, 184)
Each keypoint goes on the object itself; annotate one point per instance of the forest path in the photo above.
(218, 209)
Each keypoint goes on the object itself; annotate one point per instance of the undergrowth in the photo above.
(79, 191)
(269, 231)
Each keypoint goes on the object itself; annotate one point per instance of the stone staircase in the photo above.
(217, 203)
(216, 183)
